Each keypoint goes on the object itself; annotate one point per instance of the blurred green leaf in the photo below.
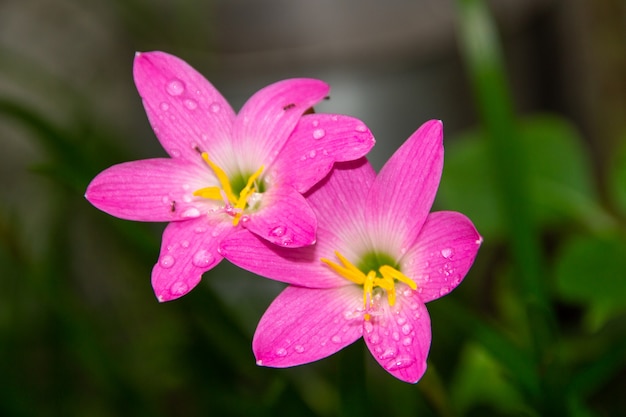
(480, 381)
(560, 177)
(590, 271)
(617, 178)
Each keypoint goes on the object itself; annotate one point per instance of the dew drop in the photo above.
(369, 327)
(336, 339)
(191, 212)
(400, 362)
(447, 253)
(175, 87)
(164, 106)
(388, 353)
(319, 133)
(175, 153)
(277, 231)
(167, 261)
(444, 290)
(179, 288)
(407, 341)
(374, 338)
(312, 153)
(361, 128)
(396, 336)
(401, 320)
(200, 229)
(202, 258)
(299, 348)
(191, 104)
(406, 329)
(215, 107)
(315, 123)
(282, 352)
(184, 243)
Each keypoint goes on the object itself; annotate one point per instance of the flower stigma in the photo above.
(225, 192)
(384, 278)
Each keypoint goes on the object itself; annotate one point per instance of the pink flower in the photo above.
(228, 172)
(379, 257)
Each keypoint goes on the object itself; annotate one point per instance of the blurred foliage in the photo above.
(100, 345)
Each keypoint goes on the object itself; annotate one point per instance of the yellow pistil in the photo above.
(371, 280)
(226, 191)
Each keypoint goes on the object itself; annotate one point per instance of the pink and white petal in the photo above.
(267, 119)
(299, 266)
(284, 218)
(405, 188)
(157, 190)
(305, 325)
(186, 112)
(399, 337)
(188, 250)
(317, 142)
(338, 201)
(442, 254)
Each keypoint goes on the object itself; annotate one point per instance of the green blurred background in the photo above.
(533, 98)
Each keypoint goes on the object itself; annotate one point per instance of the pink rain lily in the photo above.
(227, 172)
(379, 257)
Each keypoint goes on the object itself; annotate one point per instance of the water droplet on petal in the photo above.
(277, 231)
(299, 348)
(400, 362)
(190, 212)
(316, 123)
(396, 336)
(374, 338)
(200, 229)
(401, 320)
(184, 243)
(388, 353)
(361, 128)
(191, 104)
(167, 261)
(164, 106)
(407, 328)
(447, 253)
(202, 258)
(319, 133)
(215, 107)
(312, 153)
(444, 290)
(336, 339)
(179, 288)
(282, 352)
(175, 153)
(407, 341)
(175, 87)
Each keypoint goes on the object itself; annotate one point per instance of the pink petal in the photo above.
(339, 203)
(149, 190)
(284, 218)
(268, 118)
(442, 254)
(300, 266)
(186, 112)
(399, 337)
(188, 250)
(404, 190)
(305, 325)
(318, 141)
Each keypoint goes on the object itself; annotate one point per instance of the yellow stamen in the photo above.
(221, 177)
(244, 194)
(386, 280)
(226, 191)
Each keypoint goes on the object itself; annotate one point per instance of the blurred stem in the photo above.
(353, 398)
(479, 45)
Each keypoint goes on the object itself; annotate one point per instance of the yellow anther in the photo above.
(244, 194)
(226, 191)
(221, 177)
(387, 280)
